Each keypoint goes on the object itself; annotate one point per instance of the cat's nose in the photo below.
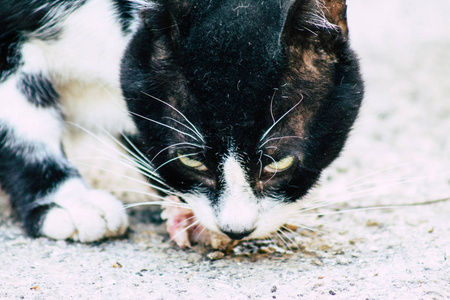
(238, 235)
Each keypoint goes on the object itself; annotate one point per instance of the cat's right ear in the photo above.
(156, 19)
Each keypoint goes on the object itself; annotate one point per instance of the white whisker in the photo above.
(260, 162)
(194, 129)
(277, 121)
(145, 183)
(175, 158)
(187, 220)
(271, 105)
(372, 192)
(129, 163)
(288, 237)
(185, 229)
(175, 145)
(280, 138)
(312, 229)
(165, 125)
(357, 209)
(150, 203)
(142, 156)
(378, 172)
(280, 237)
(276, 167)
(117, 142)
(182, 124)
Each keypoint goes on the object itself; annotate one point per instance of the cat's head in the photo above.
(241, 104)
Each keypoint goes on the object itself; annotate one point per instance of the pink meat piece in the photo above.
(180, 225)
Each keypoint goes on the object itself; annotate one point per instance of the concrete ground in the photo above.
(399, 153)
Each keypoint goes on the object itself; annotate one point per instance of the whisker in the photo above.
(357, 209)
(271, 105)
(143, 163)
(374, 191)
(396, 181)
(282, 239)
(128, 162)
(150, 203)
(175, 158)
(141, 155)
(186, 220)
(175, 145)
(307, 227)
(289, 238)
(182, 124)
(276, 167)
(163, 198)
(180, 113)
(201, 232)
(378, 172)
(185, 229)
(280, 138)
(260, 162)
(352, 210)
(165, 125)
(277, 121)
(166, 191)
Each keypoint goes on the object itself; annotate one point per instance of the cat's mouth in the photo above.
(186, 229)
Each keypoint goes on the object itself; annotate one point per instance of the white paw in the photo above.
(83, 214)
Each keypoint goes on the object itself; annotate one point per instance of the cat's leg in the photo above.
(45, 189)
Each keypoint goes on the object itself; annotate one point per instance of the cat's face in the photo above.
(241, 104)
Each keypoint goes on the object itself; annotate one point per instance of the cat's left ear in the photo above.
(336, 13)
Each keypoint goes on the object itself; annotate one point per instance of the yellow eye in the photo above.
(191, 163)
(280, 165)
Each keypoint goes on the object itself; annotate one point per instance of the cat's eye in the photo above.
(190, 162)
(281, 165)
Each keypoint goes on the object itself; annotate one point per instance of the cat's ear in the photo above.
(335, 12)
(167, 17)
(312, 19)
(156, 19)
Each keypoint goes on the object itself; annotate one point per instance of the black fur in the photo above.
(126, 11)
(38, 90)
(232, 68)
(19, 19)
(221, 67)
(27, 178)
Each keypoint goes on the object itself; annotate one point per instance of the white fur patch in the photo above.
(239, 210)
(203, 211)
(238, 206)
(83, 214)
(30, 123)
(83, 63)
(90, 47)
(95, 107)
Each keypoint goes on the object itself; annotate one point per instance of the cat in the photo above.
(233, 106)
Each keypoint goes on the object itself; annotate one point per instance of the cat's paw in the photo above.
(84, 215)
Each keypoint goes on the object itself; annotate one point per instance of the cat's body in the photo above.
(238, 105)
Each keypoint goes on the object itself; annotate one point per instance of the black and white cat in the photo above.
(238, 105)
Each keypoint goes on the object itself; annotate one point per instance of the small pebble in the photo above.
(371, 223)
(318, 262)
(215, 255)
